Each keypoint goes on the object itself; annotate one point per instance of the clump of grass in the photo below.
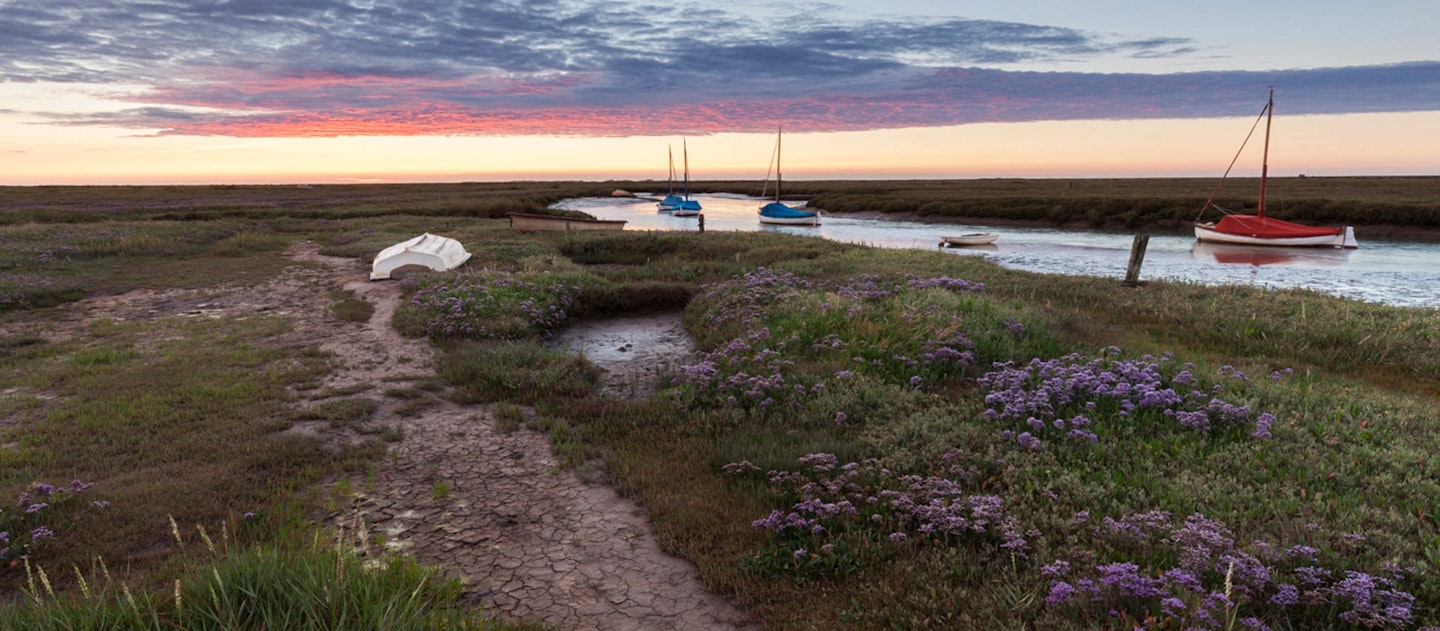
(392, 433)
(36, 291)
(484, 372)
(508, 417)
(344, 391)
(565, 442)
(416, 407)
(248, 242)
(408, 393)
(341, 412)
(631, 248)
(349, 308)
(262, 587)
(440, 489)
(608, 299)
(488, 304)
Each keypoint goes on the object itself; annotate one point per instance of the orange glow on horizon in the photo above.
(1314, 145)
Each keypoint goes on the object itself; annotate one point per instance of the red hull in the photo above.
(1268, 228)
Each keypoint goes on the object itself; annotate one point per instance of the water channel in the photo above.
(1397, 273)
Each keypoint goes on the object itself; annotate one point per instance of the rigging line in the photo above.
(1210, 201)
(766, 186)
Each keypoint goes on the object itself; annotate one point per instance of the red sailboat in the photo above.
(1257, 229)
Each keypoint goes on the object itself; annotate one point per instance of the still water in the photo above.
(1390, 272)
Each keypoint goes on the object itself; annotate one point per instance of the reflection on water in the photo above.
(1396, 273)
(1234, 254)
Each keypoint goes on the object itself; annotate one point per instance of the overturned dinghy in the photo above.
(427, 250)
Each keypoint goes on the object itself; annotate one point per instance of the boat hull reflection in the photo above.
(1257, 255)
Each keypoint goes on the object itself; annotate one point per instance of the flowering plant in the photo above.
(500, 305)
(842, 510)
(1193, 574)
(26, 526)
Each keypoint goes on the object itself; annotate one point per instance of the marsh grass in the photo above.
(349, 308)
(1347, 469)
(46, 265)
(413, 408)
(565, 441)
(172, 426)
(341, 412)
(522, 372)
(314, 585)
(507, 417)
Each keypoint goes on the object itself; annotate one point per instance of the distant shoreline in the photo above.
(1385, 208)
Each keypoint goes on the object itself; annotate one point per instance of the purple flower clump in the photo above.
(1042, 394)
(25, 528)
(467, 306)
(1209, 578)
(835, 501)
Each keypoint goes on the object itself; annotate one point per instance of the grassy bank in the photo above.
(1165, 457)
(873, 438)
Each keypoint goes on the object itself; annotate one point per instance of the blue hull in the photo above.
(776, 212)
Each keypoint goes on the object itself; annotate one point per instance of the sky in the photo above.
(318, 91)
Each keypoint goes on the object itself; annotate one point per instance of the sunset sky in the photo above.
(241, 91)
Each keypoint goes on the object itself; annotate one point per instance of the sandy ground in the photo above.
(529, 539)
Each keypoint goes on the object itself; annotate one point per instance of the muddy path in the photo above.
(531, 540)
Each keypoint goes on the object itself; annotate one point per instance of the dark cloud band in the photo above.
(364, 67)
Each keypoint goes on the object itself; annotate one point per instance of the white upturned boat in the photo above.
(427, 250)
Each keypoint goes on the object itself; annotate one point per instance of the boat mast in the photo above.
(685, 148)
(778, 133)
(1265, 159)
(670, 188)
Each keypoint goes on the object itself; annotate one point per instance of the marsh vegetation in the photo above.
(878, 438)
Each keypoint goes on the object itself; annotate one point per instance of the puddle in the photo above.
(634, 351)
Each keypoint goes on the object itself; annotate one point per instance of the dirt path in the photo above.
(531, 541)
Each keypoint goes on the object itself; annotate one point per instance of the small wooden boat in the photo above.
(533, 222)
(973, 238)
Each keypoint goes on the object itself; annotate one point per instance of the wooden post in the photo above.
(702, 222)
(1137, 256)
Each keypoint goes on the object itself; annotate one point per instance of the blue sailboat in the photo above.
(778, 213)
(687, 207)
(671, 199)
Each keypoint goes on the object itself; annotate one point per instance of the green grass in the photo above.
(269, 586)
(342, 412)
(349, 308)
(525, 372)
(169, 417)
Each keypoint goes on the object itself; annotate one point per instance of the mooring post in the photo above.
(1137, 256)
(702, 222)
